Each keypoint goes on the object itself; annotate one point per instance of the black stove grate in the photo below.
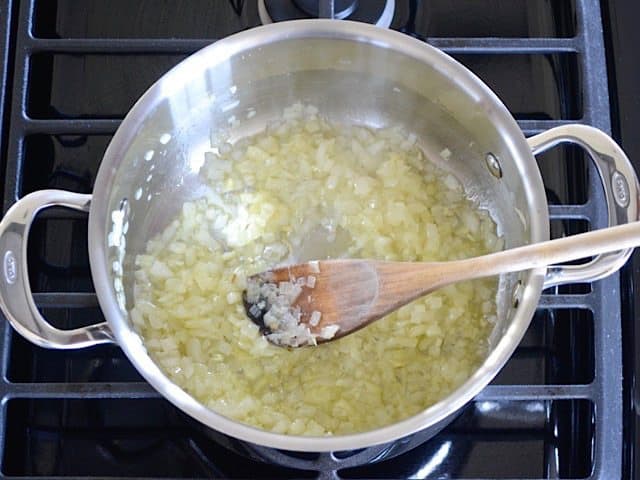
(555, 411)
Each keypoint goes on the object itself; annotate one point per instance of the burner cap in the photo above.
(377, 12)
(341, 9)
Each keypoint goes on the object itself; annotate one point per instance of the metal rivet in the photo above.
(493, 165)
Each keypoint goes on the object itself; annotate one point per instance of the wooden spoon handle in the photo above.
(430, 276)
(547, 253)
(403, 282)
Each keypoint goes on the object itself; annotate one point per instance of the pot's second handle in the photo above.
(16, 299)
(620, 188)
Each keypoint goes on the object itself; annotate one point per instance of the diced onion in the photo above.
(306, 188)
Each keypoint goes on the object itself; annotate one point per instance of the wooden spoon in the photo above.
(350, 294)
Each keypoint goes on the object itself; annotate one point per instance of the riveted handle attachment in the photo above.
(620, 189)
(16, 298)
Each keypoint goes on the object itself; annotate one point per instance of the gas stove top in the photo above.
(68, 75)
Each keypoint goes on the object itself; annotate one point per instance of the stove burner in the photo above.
(341, 8)
(378, 12)
(332, 461)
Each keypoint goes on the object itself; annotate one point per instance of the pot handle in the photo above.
(16, 298)
(620, 189)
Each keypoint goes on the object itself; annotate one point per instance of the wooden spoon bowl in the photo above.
(348, 294)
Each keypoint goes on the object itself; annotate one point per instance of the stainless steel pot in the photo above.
(356, 73)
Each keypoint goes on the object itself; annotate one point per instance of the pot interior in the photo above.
(234, 88)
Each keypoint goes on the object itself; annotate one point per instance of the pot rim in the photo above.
(131, 343)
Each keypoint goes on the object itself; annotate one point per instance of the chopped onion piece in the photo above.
(315, 318)
(329, 331)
